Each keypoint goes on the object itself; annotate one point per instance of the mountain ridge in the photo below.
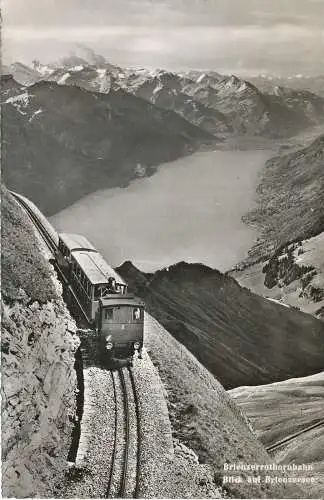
(240, 337)
(218, 103)
(85, 140)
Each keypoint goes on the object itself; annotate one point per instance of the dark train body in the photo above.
(116, 315)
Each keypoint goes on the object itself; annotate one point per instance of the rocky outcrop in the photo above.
(37, 352)
(38, 403)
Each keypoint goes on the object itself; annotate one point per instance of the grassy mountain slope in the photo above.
(240, 337)
(279, 410)
(21, 267)
(294, 275)
(205, 418)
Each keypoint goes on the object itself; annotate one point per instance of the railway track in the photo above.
(39, 226)
(52, 246)
(124, 470)
(286, 440)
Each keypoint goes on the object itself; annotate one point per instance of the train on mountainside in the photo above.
(102, 295)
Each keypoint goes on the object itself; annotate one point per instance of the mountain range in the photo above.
(74, 127)
(61, 142)
(218, 103)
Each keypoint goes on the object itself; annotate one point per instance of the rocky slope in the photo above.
(291, 199)
(279, 410)
(37, 351)
(61, 142)
(294, 276)
(239, 336)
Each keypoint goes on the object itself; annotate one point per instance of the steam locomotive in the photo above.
(102, 295)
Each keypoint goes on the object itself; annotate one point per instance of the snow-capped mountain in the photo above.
(220, 104)
(251, 111)
(314, 84)
(23, 74)
(311, 105)
(165, 89)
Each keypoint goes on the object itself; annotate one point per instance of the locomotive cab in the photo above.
(121, 325)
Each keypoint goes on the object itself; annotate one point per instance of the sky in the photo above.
(247, 37)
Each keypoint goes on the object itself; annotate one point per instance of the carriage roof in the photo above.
(118, 300)
(96, 268)
(76, 242)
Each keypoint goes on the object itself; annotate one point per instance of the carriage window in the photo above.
(100, 291)
(136, 313)
(109, 313)
(106, 290)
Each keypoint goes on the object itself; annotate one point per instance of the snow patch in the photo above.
(20, 101)
(44, 70)
(35, 114)
(201, 78)
(277, 301)
(77, 68)
(104, 80)
(63, 78)
(157, 88)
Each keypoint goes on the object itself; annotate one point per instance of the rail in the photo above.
(46, 236)
(123, 480)
(52, 247)
(124, 470)
(293, 436)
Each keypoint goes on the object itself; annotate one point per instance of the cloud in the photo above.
(236, 34)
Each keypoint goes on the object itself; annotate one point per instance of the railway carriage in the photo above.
(102, 295)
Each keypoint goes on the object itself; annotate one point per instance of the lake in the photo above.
(189, 210)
